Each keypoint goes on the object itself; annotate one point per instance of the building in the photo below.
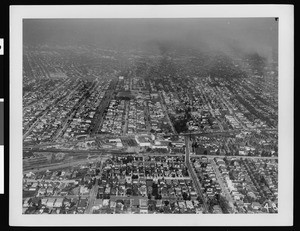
(143, 141)
(143, 206)
(50, 202)
(58, 203)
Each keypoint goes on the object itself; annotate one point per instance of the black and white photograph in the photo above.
(172, 116)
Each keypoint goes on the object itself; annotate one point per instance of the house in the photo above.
(82, 204)
(189, 205)
(193, 195)
(256, 205)
(251, 194)
(42, 191)
(199, 210)
(217, 209)
(143, 190)
(50, 202)
(98, 203)
(50, 190)
(164, 192)
(182, 205)
(58, 203)
(143, 203)
(239, 204)
(84, 190)
(105, 203)
(26, 202)
(112, 204)
(44, 201)
(135, 202)
(159, 203)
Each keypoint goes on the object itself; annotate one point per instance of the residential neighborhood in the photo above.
(155, 126)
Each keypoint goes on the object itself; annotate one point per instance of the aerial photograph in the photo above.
(150, 116)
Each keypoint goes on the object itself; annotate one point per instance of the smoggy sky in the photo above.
(244, 34)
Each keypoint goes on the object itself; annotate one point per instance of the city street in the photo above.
(193, 174)
(223, 186)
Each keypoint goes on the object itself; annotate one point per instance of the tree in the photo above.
(217, 196)
(180, 125)
(223, 204)
(184, 195)
(155, 192)
(135, 176)
(129, 191)
(152, 131)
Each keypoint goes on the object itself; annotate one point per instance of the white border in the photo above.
(286, 59)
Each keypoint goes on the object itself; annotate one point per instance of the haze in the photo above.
(233, 36)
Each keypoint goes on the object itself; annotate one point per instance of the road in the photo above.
(231, 110)
(64, 126)
(37, 121)
(224, 188)
(228, 132)
(47, 94)
(193, 174)
(243, 157)
(66, 122)
(92, 198)
(94, 191)
(49, 107)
